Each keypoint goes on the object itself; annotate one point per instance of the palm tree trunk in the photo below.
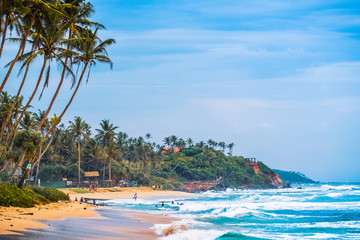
(4, 35)
(21, 48)
(79, 160)
(31, 98)
(65, 109)
(57, 90)
(70, 101)
(22, 180)
(8, 117)
(110, 171)
(22, 158)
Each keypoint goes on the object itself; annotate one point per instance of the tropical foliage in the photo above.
(49, 33)
(73, 150)
(58, 34)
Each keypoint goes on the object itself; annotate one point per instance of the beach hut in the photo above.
(92, 179)
(93, 174)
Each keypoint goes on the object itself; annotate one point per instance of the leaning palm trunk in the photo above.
(8, 117)
(29, 101)
(41, 154)
(4, 35)
(57, 90)
(21, 49)
(70, 101)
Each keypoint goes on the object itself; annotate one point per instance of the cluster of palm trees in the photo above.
(174, 141)
(47, 32)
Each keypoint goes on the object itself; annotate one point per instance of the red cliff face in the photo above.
(273, 177)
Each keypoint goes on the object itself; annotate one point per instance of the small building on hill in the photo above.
(170, 149)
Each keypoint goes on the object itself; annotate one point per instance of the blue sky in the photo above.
(278, 78)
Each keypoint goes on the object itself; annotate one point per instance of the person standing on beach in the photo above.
(135, 196)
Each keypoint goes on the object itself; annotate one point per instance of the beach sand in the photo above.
(75, 220)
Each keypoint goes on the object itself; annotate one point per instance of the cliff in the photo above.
(202, 169)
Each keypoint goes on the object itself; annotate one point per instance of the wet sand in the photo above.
(113, 224)
(75, 220)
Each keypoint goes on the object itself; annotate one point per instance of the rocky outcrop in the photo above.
(275, 179)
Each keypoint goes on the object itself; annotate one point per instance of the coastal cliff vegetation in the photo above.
(118, 158)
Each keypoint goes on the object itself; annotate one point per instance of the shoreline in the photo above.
(43, 219)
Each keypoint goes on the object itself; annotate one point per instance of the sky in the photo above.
(279, 79)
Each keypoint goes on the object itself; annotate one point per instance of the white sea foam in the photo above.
(264, 213)
(194, 234)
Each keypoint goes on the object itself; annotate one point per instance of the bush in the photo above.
(52, 194)
(14, 196)
(39, 199)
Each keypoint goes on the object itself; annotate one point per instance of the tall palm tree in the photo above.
(148, 137)
(90, 50)
(230, 147)
(75, 17)
(26, 14)
(222, 145)
(77, 129)
(50, 37)
(190, 142)
(106, 136)
(33, 18)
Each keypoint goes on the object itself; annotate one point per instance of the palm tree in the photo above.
(211, 143)
(230, 146)
(181, 143)
(105, 136)
(34, 17)
(29, 143)
(50, 38)
(27, 123)
(167, 141)
(75, 16)
(173, 140)
(77, 129)
(90, 50)
(148, 137)
(25, 15)
(222, 145)
(190, 142)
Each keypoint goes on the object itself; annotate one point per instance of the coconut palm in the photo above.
(106, 136)
(230, 147)
(50, 37)
(25, 14)
(77, 129)
(190, 142)
(75, 17)
(90, 51)
(33, 18)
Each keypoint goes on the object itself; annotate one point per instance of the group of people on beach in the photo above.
(84, 200)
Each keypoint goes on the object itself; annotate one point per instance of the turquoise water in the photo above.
(319, 211)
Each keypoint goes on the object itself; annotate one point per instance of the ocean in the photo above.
(313, 211)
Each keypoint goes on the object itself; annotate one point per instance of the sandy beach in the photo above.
(45, 220)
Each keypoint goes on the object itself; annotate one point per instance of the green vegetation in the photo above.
(11, 195)
(50, 32)
(293, 177)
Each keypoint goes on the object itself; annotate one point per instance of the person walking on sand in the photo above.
(135, 196)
